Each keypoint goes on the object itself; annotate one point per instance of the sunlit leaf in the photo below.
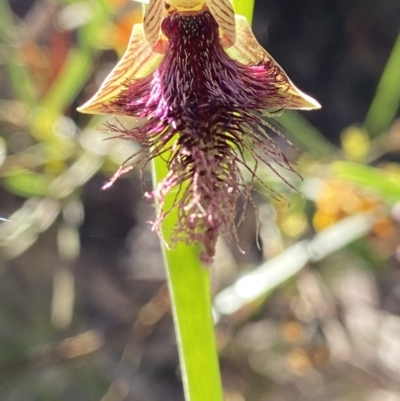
(387, 183)
(25, 183)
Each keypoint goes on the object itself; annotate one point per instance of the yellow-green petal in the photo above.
(137, 62)
(248, 51)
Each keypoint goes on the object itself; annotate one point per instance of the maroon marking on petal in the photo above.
(153, 21)
(224, 9)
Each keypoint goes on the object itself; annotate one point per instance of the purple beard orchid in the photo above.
(201, 89)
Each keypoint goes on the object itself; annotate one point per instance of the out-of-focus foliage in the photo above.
(84, 312)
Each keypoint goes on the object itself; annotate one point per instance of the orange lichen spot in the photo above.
(338, 199)
(293, 332)
(298, 362)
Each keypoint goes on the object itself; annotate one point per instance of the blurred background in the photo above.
(312, 313)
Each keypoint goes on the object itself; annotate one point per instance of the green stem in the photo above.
(189, 288)
(244, 7)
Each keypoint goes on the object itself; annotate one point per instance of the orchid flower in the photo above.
(203, 92)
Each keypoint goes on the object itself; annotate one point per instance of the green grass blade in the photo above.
(386, 102)
(66, 87)
(386, 183)
(19, 75)
(301, 132)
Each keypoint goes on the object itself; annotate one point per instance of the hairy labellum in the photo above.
(202, 110)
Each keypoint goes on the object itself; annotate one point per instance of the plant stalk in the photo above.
(189, 289)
